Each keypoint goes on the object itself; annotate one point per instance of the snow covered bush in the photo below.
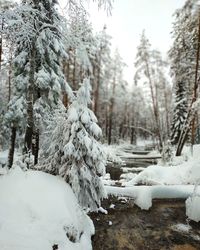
(75, 153)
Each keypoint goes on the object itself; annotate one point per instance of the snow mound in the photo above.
(193, 208)
(38, 210)
(143, 195)
(186, 173)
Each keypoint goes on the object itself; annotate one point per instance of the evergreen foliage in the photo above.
(75, 153)
(182, 62)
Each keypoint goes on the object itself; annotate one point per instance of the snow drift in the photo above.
(184, 173)
(38, 210)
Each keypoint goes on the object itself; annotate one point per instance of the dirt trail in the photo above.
(127, 227)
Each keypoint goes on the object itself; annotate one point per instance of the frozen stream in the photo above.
(127, 227)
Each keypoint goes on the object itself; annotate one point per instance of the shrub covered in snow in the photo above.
(75, 153)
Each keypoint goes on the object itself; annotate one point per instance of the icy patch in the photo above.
(182, 227)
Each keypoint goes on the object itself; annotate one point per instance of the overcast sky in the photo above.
(129, 18)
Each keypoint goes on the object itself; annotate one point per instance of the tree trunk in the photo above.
(98, 81)
(12, 147)
(133, 136)
(195, 86)
(190, 119)
(167, 112)
(155, 108)
(66, 73)
(74, 72)
(30, 96)
(106, 120)
(65, 99)
(125, 121)
(185, 130)
(110, 120)
(9, 76)
(35, 145)
(1, 45)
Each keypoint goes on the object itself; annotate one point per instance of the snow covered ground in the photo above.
(187, 173)
(38, 210)
(161, 182)
(184, 170)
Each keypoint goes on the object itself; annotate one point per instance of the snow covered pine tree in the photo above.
(75, 153)
(38, 75)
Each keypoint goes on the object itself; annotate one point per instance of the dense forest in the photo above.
(65, 103)
(75, 53)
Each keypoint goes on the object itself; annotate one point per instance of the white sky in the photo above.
(129, 18)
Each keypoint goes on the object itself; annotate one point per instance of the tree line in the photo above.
(59, 77)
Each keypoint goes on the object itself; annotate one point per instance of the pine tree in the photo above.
(146, 66)
(179, 113)
(38, 76)
(182, 58)
(99, 61)
(6, 48)
(4, 6)
(75, 153)
(116, 91)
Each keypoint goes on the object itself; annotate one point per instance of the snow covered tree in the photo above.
(79, 46)
(145, 66)
(6, 48)
(75, 153)
(38, 75)
(5, 5)
(100, 61)
(116, 88)
(179, 113)
(36, 30)
(163, 93)
(183, 59)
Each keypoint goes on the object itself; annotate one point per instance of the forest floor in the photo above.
(126, 227)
